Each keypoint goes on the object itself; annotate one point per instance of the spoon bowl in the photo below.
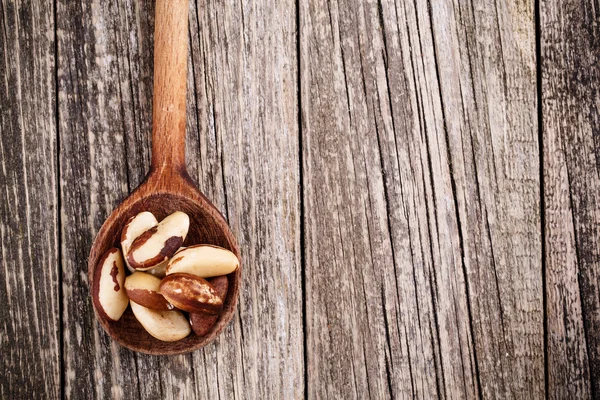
(167, 188)
(206, 226)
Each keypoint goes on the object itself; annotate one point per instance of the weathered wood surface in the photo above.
(570, 91)
(413, 186)
(424, 197)
(30, 334)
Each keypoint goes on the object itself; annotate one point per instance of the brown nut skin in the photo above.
(202, 323)
(148, 299)
(191, 293)
(142, 288)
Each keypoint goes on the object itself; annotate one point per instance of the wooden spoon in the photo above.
(168, 187)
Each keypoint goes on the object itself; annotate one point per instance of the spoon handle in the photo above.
(170, 85)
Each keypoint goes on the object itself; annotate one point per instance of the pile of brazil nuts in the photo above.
(172, 289)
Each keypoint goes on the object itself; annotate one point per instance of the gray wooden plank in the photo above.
(570, 56)
(135, 41)
(244, 66)
(93, 180)
(29, 282)
(373, 328)
(486, 62)
(410, 220)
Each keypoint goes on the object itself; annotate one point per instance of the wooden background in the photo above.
(415, 186)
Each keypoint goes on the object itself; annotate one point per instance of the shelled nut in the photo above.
(142, 288)
(136, 225)
(191, 293)
(168, 326)
(203, 260)
(159, 243)
(202, 323)
(108, 292)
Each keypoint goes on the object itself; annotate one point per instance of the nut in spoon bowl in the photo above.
(167, 188)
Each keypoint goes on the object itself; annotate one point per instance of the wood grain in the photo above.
(170, 83)
(413, 223)
(486, 64)
(369, 258)
(570, 56)
(92, 181)
(421, 182)
(29, 281)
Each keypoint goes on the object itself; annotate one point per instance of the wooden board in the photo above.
(30, 327)
(246, 117)
(570, 85)
(93, 179)
(421, 184)
(486, 65)
(413, 185)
